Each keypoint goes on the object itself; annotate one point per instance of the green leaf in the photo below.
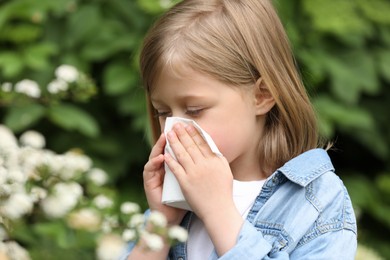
(11, 63)
(352, 74)
(55, 230)
(20, 118)
(118, 79)
(365, 196)
(313, 59)
(84, 25)
(383, 183)
(353, 120)
(94, 51)
(384, 34)
(37, 56)
(362, 191)
(71, 117)
(350, 117)
(341, 19)
(376, 10)
(384, 63)
(135, 104)
(154, 6)
(21, 33)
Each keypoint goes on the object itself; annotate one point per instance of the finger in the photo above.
(198, 139)
(154, 164)
(181, 154)
(175, 167)
(158, 148)
(153, 168)
(188, 143)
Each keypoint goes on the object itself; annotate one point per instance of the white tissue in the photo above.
(172, 194)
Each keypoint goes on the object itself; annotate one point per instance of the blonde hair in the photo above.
(237, 42)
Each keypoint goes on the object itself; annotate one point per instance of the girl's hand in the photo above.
(153, 182)
(207, 184)
(204, 177)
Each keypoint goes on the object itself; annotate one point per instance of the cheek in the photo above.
(225, 142)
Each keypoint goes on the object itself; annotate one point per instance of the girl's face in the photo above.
(229, 115)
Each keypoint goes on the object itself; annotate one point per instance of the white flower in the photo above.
(74, 163)
(97, 176)
(109, 222)
(64, 198)
(129, 234)
(110, 247)
(17, 205)
(8, 140)
(29, 159)
(17, 187)
(5, 190)
(157, 219)
(55, 162)
(102, 202)
(153, 241)
(67, 166)
(6, 87)
(52, 207)
(56, 86)
(33, 139)
(3, 234)
(67, 73)
(12, 250)
(137, 220)
(364, 253)
(86, 219)
(178, 233)
(72, 188)
(3, 175)
(129, 208)
(16, 176)
(29, 88)
(38, 193)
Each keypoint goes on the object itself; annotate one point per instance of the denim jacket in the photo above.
(302, 212)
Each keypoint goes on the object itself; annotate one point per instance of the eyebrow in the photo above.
(181, 98)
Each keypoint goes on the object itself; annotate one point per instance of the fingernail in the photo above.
(178, 126)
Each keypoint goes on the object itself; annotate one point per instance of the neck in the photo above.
(247, 168)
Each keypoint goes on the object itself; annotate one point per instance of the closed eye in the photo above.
(194, 112)
(163, 114)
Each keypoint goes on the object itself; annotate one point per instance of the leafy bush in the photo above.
(51, 204)
(342, 48)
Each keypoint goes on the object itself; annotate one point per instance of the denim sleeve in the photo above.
(131, 244)
(127, 251)
(340, 244)
(251, 244)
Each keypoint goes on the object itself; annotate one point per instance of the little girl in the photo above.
(273, 194)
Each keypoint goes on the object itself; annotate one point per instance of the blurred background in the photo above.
(342, 49)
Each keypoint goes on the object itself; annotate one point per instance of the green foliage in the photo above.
(81, 121)
(342, 49)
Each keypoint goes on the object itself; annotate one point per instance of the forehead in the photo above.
(184, 83)
(171, 74)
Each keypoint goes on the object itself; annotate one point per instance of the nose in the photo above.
(179, 113)
(174, 113)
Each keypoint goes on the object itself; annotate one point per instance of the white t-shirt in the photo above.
(199, 244)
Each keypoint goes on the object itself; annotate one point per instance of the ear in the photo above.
(264, 101)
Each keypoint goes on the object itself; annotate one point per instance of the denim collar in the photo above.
(306, 167)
